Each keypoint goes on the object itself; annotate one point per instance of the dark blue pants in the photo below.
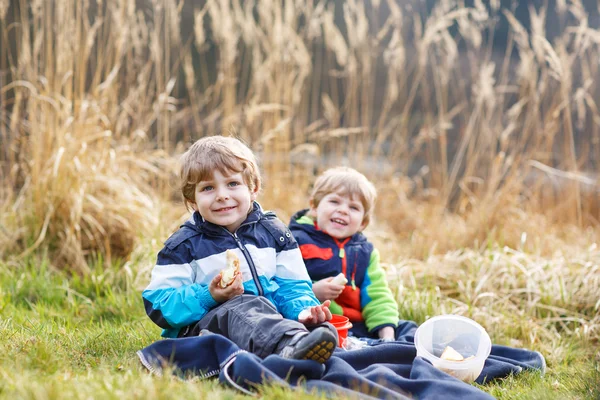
(405, 331)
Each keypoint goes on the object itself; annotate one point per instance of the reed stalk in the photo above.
(99, 98)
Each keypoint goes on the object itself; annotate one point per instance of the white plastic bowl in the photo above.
(463, 335)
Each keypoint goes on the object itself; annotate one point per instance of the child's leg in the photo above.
(405, 331)
(251, 322)
(359, 329)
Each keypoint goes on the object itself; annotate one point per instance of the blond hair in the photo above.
(225, 154)
(345, 181)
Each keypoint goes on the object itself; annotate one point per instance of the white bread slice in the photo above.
(339, 279)
(449, 354)
(233, 267)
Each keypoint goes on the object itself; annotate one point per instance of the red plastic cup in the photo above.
(341, 325)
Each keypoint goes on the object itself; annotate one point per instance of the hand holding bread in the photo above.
(228, 283)
(230, 272)
(315, 315)
(329, 288)
(339, 279)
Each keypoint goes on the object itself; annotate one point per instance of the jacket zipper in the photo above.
(342, 255)
(248, 259)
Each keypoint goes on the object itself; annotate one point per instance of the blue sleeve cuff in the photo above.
(207, 301)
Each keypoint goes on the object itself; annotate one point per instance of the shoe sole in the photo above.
(319, 350)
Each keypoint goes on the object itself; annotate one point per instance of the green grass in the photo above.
(577, 380)
(70, 337)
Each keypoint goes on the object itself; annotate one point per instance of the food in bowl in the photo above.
(465, 343)
(450, 354)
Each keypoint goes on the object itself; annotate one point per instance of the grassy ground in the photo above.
(499, 223)
(70, 337)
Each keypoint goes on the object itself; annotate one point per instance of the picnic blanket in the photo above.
(382, 370)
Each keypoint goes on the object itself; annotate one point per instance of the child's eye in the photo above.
(206, 188)
(333, 201)
(234, 183)
(355, 208)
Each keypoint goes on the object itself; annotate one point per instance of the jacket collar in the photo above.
(198, 223)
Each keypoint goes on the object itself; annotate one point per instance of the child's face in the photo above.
(224, 200)
(339, 215)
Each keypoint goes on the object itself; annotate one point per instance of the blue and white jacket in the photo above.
(270, 262)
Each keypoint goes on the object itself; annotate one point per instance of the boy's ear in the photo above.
(193, 205)
(254, 193)
(363, 226)
(313, 210)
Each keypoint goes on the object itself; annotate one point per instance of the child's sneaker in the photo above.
(317, 345)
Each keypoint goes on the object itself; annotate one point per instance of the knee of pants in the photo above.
(243, 298)
(257, 299)
(250, 301)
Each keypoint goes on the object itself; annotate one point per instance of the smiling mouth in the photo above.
(224, 209)
(338, 221)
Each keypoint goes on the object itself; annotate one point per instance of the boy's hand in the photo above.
(220, 294)
(315, 315)
(387, 333)
(326, 290)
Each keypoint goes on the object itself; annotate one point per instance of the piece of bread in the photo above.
(233, 267)
(339, 279)
(449, 354)
(303, 315)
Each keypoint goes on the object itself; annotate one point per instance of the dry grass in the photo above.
(525, 299)
(79, 108)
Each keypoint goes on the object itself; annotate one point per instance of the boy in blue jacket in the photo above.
(331, 242)
(269, 305)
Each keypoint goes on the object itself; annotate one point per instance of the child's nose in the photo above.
(222, 194)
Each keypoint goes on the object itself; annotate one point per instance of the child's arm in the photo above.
(387, 333)
(294, 293)
(295, 289)
(172, 299)
(379, 308)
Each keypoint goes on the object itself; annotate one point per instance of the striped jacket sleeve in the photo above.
(295, 287)
(172, 299)
(379, 308)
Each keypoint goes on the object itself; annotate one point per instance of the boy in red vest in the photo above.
(331, 242)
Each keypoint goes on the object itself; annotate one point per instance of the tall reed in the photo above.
(417, 96)
(100, 96)
(85, 95)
